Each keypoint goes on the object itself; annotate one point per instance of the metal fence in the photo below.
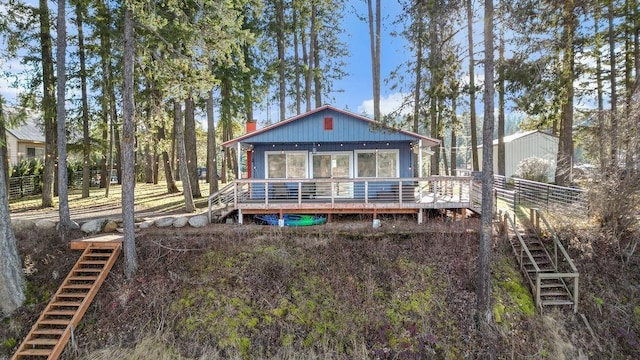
(535, 194)
(22, 186)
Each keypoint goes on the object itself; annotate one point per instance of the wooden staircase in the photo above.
(545, 264)
(55, 326)
(553, 291)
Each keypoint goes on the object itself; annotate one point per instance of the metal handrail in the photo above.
(218, 195)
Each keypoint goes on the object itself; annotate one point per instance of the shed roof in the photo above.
(520, 135)
(27, 128)
(389, 133)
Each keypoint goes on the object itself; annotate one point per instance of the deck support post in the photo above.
(420, 216)
(240, 217)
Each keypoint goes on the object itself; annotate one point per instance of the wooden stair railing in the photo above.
(549, 284)
(53, 329)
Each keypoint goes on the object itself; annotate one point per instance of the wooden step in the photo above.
(77, 286)
(557, 302)
(92, 262)
(553, 293)
(35, 352)
(67, 303)
(72, 295)
(42, 341)
(98, 254)
(57, 332)
(60, 313)
(551, 285)
(82, 278)
(86, 270)
(54, 322)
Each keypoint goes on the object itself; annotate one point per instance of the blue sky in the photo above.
(357, 95)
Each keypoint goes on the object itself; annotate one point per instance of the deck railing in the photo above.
(392, 190)
(541, 194)
(409, 193)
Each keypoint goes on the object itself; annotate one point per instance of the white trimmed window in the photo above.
(288, 165)
(377, 163)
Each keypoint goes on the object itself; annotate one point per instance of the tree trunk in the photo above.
(614, 94)
(12, 283)
(3, 148)
(483, 289)
(472, 91)
(105, 46)
(454, 140)
(48, 104)
(86, 140)
(280, 39)
(65, 224)
(212, 163)
(117, 143)
(297, 84)
(190, 146)
(104, 28)
(148, 169)
(433, 114)
(307, 58)
(417, 94)
(599, 88)
(374, 38)
(501, 150)
(182, 158)
(128, 148)
(317, 77)
(166, 162)
(565, 148)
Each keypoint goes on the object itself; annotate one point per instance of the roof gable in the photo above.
(312, 127)
(27, 128)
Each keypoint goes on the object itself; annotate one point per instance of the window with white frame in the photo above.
(377, 163)
(287, 165)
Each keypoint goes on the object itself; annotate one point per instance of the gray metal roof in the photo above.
(29, 125)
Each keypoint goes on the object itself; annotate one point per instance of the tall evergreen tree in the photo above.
(128, 146)
(483, 289)
(48, 104)
(65, 224)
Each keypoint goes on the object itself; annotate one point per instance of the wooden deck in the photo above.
(346, 196)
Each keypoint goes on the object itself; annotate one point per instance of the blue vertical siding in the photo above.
(345, 128)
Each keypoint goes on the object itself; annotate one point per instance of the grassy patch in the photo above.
(148, 196)
(512, 296)
(331, 297)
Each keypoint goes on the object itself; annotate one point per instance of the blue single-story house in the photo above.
(329, 143)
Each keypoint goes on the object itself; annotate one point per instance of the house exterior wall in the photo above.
(18, 150)
(405, 159)
(12, 149)
(345, 129)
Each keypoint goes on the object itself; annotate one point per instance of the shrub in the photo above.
(535, 169)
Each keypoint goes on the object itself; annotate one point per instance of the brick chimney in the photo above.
(249, 128)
